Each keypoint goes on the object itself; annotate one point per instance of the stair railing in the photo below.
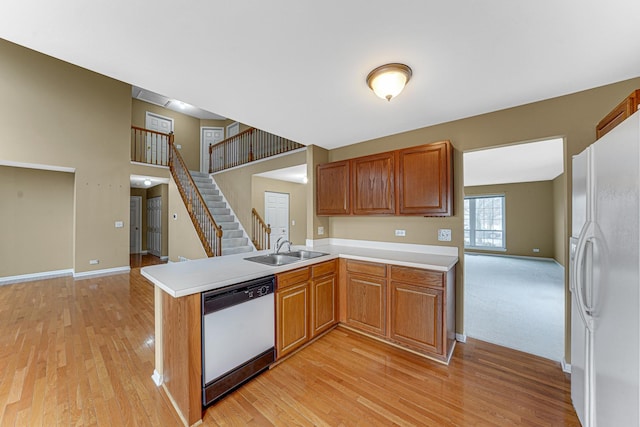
(248, 146)
(209, 232)
(260, 231)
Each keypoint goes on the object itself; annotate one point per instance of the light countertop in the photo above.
(185, 278)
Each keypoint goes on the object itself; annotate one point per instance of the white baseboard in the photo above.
(35, 276)
(157, 378)
(461, 338)
(566, 367)
(104, 272)
(164, 258)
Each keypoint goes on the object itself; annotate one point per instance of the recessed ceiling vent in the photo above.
(150, 97)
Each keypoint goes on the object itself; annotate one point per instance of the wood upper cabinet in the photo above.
(413, 181)
(372, 185)
(425, 180)
(292, 310)
(332, 189)
(366, 291)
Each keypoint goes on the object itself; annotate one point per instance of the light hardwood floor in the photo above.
(80, 352)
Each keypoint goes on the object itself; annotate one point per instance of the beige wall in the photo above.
(236, 184)
(54, 113)
(529, 217)
(183, 239)
(36, 221)
(315, 156)
(297, 204)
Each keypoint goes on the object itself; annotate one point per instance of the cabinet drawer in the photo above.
(417, 276)
(323, 268)
(292, 277)
(370, 268)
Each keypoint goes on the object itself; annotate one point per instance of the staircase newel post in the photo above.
(219, 241)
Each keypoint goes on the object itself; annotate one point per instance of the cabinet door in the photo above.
(323, 304)
(372, 188)
(425, 180)
(366, 303)
(292, 318)
(332, 189)
(416, 317)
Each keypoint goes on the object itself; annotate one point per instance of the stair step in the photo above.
(211, 198)
(232, 234)
(229, 225)
(209, 192)
(218, 211)
(235, 242)
(224, 218)
(238, 250)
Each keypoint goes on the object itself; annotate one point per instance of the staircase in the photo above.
(234, 239)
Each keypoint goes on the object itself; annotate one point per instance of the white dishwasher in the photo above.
(238, 335)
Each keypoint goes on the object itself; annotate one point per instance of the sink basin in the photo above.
(285, 258)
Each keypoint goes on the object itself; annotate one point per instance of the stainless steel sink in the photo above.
(285, 258)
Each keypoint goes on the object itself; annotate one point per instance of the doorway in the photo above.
(208, 136)
(276, 209)
(514, 214)
(154, 226)
(135, 224)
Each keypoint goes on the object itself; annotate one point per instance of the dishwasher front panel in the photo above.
(237, 334)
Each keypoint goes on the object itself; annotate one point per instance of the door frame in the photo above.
(138, 234)
(230, 128)
(149, 114)
(204, 163)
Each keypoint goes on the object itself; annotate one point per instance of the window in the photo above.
(484, 222)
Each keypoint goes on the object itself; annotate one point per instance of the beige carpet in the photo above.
(515, 302)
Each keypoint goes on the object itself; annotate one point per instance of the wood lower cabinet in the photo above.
(366, 291)
(410, 307)
(305, 305)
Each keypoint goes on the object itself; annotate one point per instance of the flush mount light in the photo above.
(388, 80)
(147, 182)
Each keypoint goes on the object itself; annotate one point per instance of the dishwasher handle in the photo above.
(219, 299)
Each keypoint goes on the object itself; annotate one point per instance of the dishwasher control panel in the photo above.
(219, 299)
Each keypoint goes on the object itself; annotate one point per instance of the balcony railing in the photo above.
(248, 146)
(149, 146)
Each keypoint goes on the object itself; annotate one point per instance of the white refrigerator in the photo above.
(605, 279)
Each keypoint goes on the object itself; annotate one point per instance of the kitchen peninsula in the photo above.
(402, 294)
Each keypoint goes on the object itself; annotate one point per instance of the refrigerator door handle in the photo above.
(585, 240)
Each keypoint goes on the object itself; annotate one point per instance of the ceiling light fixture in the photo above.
(388, 80)
(147, 182)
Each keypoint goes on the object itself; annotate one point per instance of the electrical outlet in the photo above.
(401, 233)
(119, 224)
(320, 231)
(444, 235)
(536, 250)
(94, 261)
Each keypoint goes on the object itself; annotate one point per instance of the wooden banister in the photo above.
(208, 231)
(260, 231)
(149, 146)
(247, 146)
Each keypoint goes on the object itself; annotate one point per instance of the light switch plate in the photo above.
(401, 233)
(119, 224)
(320, 231)
(444, 234)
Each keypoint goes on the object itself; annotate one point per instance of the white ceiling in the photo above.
(535, 161)
(172, 104)
(297, 68)
(297, 174)
(138, 181)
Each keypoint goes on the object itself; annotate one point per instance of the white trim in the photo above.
(461, 338)
(566, 367)
(157, 378)
(164, 258)
(389, 246)
(37, 166)
(150, 165)
(104, 272)
(35, 276)
(202, 129)
(231, 212)
(539, 258)
(160, 116)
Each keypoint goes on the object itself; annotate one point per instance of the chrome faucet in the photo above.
(280, 244)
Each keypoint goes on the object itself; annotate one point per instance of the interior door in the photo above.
(158, 145)
(276, 208)
(208, 136)
(135, 224)
(154, 226)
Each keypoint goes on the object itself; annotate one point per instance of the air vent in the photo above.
(152, 98)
